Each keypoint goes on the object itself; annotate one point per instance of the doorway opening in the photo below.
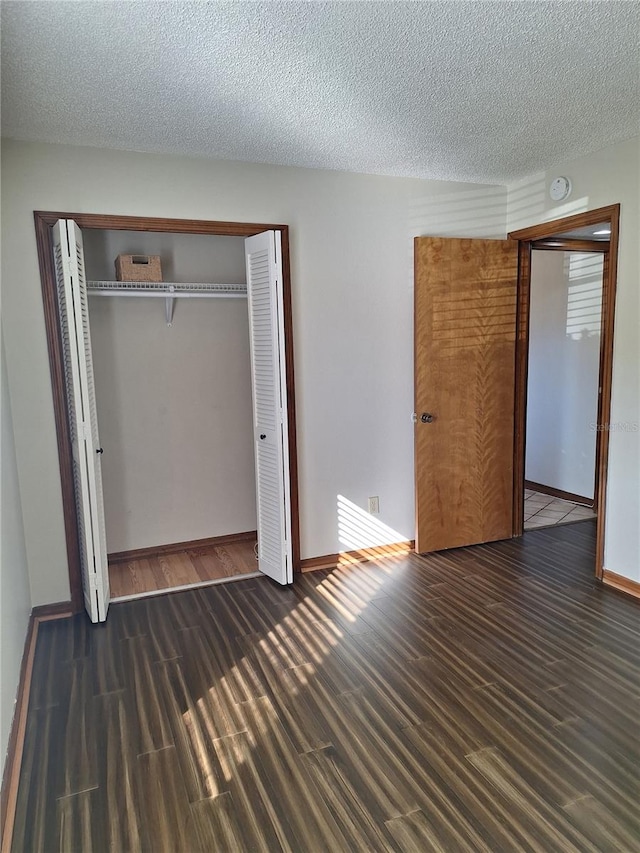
(563, 380)
(193, 560)
(564, 354)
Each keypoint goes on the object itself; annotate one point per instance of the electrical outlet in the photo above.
(374, 505)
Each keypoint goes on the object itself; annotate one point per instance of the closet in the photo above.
(176, 396)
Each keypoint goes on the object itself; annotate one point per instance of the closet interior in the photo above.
(172, 373)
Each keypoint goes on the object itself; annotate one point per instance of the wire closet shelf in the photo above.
(167, 290)
(164, 288)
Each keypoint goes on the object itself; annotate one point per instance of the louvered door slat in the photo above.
(264, 292)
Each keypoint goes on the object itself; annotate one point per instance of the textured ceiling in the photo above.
(472, 91)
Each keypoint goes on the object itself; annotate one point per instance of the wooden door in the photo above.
(465, 332)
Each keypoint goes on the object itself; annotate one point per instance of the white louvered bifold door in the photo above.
(83, 420)
(266, 333)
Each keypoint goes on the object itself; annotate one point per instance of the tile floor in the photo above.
(545, 511)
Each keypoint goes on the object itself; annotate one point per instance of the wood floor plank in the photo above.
(196, 723)
(106, 668)
(597, 823)
(217, 826)
(374, 769)
(361, 826)
(478, 810)
(166, 818)
(36, 823)
(187, 608)
(225, 659)
(297, 715)
(79, 734)
(207, 565)
(179, 568)
(79, 832)
(182, 567)
(482, 699)
(117, 807)
(327, 639)
(283, 782)
(415, 833)
(125, 621)
(150, 729)
(48, 669)
(548, 827)
(138, 577)
(264, 828)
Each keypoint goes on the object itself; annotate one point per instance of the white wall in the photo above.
(183, 257)
(564, 354)
(15, 597)
(352, 279)
(174, 404)
(607, 177)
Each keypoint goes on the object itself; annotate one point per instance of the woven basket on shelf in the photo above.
(138, 268)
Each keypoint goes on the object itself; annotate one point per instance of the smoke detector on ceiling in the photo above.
(560, 188)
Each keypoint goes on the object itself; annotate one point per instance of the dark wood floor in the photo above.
(484, 699)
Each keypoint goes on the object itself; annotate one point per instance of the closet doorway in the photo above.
(175, 432)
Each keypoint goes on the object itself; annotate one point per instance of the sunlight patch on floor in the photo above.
(302, 640)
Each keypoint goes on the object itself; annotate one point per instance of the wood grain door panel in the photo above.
(465, 324)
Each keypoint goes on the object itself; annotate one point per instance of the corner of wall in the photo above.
(15, 592)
